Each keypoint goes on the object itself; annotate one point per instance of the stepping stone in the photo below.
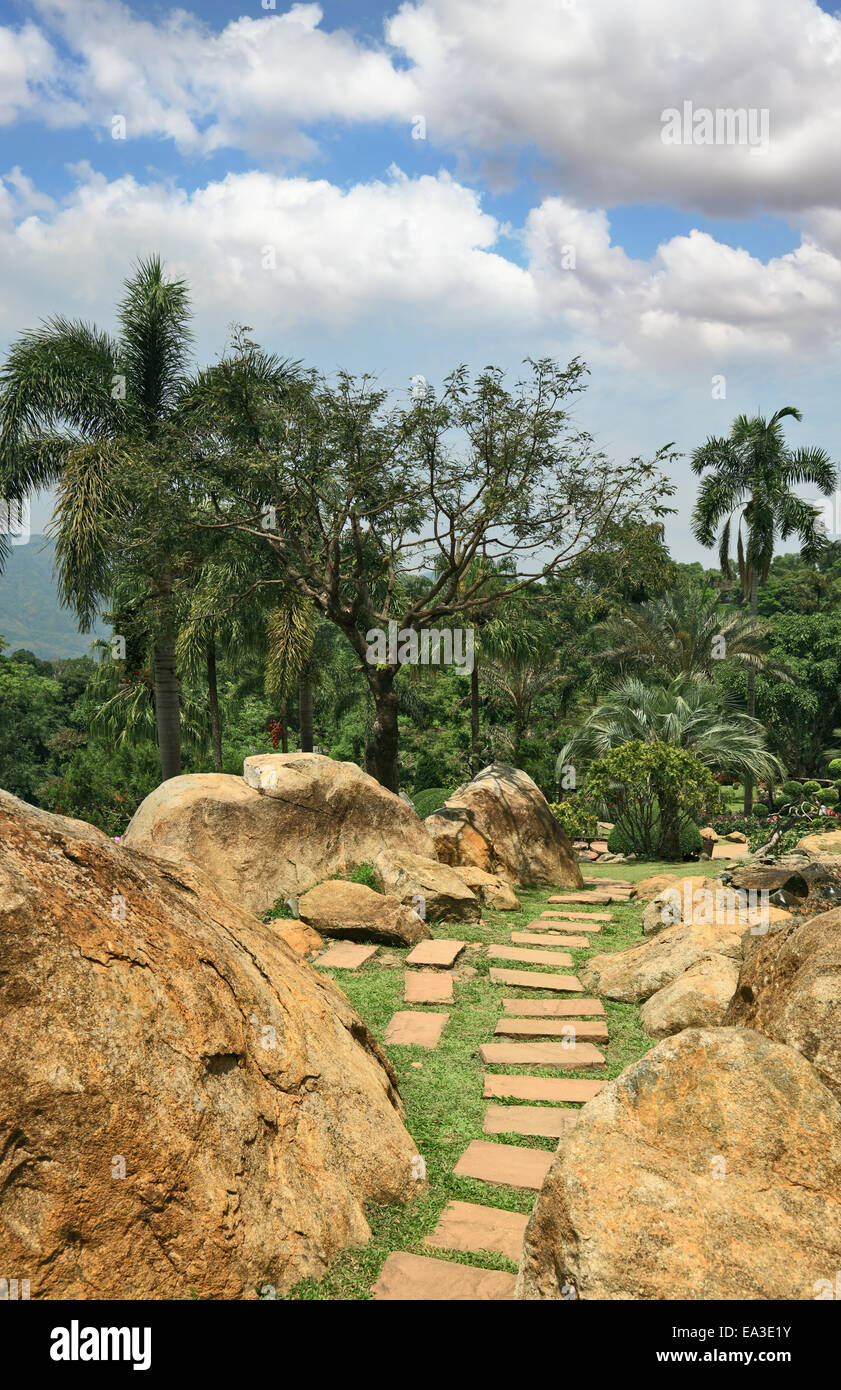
(441, 954)
(595, 1030)
(571, 1090)
(577, 917)
(346, 955)
(505, 1164)
(728, 851)
(427, 987)
(422, 1030)
(531, 957)
(469, 1226)
(553, 1008)
(597, 899)
(539, 1054)
(419, 1278)
(532, 979)
(529, 1119)
(545, 938)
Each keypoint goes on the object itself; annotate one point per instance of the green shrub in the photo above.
(367, 874)
(828, 796)
(760, 809)
(811, 788)
(429, 800)
(792, 791)
(834, 768)
(279, 911)
(620, 841)
(577, 818)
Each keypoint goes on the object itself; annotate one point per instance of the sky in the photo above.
(399, 188)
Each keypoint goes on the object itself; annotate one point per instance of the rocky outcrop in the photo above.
(652, 887)
(490, 889)
(696, 999)
(434, 890)
(789, 988)
(822, 845)
(299, 936)
(356, 913)
(708, 901)
(186, 1106)
(710, 1169)
(634, 974)
(294, 820)
(501, 822)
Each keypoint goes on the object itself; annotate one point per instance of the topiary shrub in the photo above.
(429, 800)
(621, 840)
(792, 791)
(829, 796)
(834, 768)
(760, 809)
(811, 788)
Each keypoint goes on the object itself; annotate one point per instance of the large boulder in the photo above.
(356, 913)
(292, 821)
(635, 973)
(710, 1169)
(185, 1104)
(827, 844)
(434, 890)
(490, 889)
(501, 822)
(652, 887)
(790, 989)
(707, 901)
(696, 999)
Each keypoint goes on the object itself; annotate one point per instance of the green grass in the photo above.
(443, 1096)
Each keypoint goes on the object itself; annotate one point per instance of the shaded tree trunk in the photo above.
(754, 608)
(670, 827)
(381, 755)
(213, 700)
(305, 715)
(474, 720)
(167, 695)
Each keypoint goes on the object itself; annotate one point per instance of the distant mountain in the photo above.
(30, 613)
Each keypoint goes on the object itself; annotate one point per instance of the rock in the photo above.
(292, 822)
(355, 912)
(491, 890)
(705, 901)
(501, 822)
(299, 936)
(827, 844)
(599, 847)
(255, 1113)
(736, 838)
(790, 989)
(639, 971)
(603, 828)
(696, 999)
(764, 878)
(710, 1169)
(652, 887)
(433, 889)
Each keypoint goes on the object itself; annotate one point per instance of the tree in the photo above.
(520, 663)
(694, 715)
(351, 495)
(685, 632)
(753, 472)
(649, 787)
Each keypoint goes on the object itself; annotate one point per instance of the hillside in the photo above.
(30, 613)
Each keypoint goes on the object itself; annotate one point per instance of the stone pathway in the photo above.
(345, 955)
(549, 1033)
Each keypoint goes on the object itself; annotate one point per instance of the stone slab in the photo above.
(569, 1090)
(593, 1030)
(417, 1029)
(505, 1164)
(545, 938)
(420, 1278)
(427, 987)
(441, 953)
(537, 1054)
(571, 916)
(346, 955)
(553, 1008)
(534, 979)
(724, 850)
(470, 1226)
(597, 899)
(541, 1120)
(559, 958)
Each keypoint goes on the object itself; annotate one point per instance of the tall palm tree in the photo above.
(292, 629)
(694, 715)
(83, 409)
(752, 474)
(685, 632)
(519, 663)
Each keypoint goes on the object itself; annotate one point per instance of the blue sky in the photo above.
(293, 127)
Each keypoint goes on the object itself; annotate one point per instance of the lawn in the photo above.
(443, 1094)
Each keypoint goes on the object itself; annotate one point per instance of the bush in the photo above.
(829, 796)
(576, 817)
(791, 791)
(652, 791)
(760, 809)
(812, 788)
(429, 800)
(621, 841)
(834, 768)
(367, 874)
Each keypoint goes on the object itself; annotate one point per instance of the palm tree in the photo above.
(83, 409)
(685, 632)
(292, 629)
(519, 664)
(752, 473)
(694, 715)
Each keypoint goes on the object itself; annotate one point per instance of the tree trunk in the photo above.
(284, 732)
(213, 699)
(305, 715)
(167, 696)
(670, 828)
(474, 720)
(754, 608)
(382, 756)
